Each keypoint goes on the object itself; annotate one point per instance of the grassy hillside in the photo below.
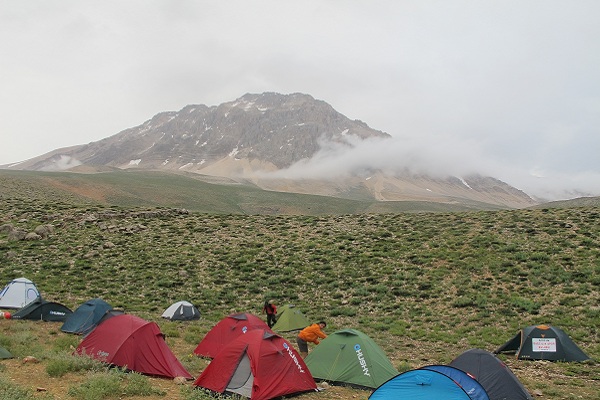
(130, 188)
(425, 286)
(578, 202)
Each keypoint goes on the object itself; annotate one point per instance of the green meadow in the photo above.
(426, 286)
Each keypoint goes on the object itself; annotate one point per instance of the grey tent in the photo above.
(43, 310)
(543, 342)
(18, 293)
(181, 311)
(496, 378)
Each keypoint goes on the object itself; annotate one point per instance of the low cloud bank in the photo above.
(62, 163)
(438, 157)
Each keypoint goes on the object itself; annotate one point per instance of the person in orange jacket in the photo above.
(312, 334)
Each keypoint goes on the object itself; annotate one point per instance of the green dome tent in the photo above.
(290, 319)
(5, 353)
(350, 357)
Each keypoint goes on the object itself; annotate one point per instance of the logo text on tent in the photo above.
(294, 358)
(52, 312)
(102, 353)
(361, 360)
(544, 345)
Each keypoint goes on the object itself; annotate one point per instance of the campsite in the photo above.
(424, 286)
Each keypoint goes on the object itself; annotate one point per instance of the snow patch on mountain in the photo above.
(465, 183)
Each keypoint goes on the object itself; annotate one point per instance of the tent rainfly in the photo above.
(289, 319)
(131, 342)
(350, 357)
(543, 342)
(227, 330)
(43, 310)
(86, 317)
(421, 384)
(496, 378)
(468, 383)
(259, 365)
(4, 354)
(18, 293)
(181, 311)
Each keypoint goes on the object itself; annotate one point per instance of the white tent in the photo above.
(18, 293)
(181, 311)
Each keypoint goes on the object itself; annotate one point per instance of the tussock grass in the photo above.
(113, 384)
(12, 391)
(62, 363)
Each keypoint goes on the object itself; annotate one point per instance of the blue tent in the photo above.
(86, 317)
(420, 384)
(470, 385)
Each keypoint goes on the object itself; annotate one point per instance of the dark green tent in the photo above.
(290, 319)
(543, 342)
(5, 353)
(350, 357)
(43, 310)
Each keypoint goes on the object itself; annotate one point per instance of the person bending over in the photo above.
(312, 334)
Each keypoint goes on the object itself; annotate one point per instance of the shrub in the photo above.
(97, 387)
(66, 342)
(189, 393)
(403, 366)
(522, 304)
(10, 391)
(139, 385)
(61, 364)
(100, 386)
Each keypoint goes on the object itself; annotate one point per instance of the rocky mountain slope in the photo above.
(256, 134)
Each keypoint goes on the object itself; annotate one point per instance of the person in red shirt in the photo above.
(271, 310)
(312, 334)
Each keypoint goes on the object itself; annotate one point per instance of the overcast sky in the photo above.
(506, 88)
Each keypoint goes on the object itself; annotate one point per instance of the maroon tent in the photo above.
(227, 330)
(258, 365)
(131, 342)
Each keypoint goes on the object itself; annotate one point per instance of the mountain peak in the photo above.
(245, 139)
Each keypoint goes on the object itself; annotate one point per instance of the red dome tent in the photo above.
(227, 330)
(129, 341)
(258, 365)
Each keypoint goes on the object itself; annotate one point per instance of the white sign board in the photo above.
(542, 345)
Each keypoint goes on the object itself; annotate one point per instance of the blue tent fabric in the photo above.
(86, 317)
(469, 385)
(420, 384)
